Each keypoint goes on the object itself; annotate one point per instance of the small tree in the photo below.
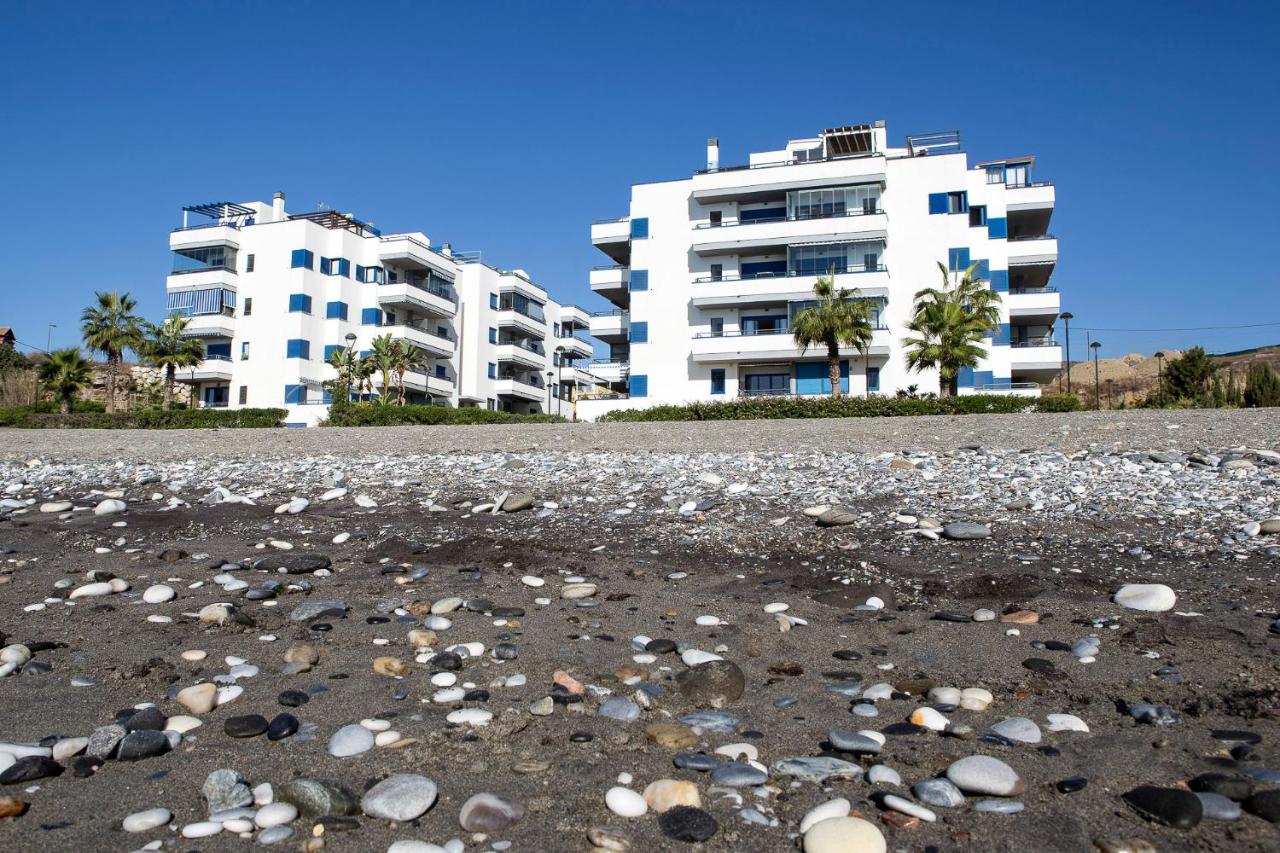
(382, 359)
(110, 327)
(949, 325)
(65, 375)
(1261, 387)
(168, 346)
(408, 358)
(345, 361)
(838, 319)
(1189, 377)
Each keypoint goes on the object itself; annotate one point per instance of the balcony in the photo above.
(575, 315)
(1041, 249)
(210, 326)
(199, 279)
(1033, 305)
(407, 251)
(513, 318)
(734, 291)
(613, 237)
(215, 368)
(760, 236)
(429, 298)
(771, 346)
(432, 343)
(761, 182)
(613, 283)
(423, 383)
(1029, 196)
(199, 236)
(521, 354)
(574, 347)
(611, 326)
(1036, 354)
(612, 371)
(523, 388)
(511, 283)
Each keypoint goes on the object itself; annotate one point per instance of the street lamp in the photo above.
(550, 375)
(1160, 375)
(351, 347)
(1097, 395)
(1067, 317)
(560, 368)
(1110, 390)
(48, 344)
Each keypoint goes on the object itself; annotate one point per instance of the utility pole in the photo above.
(1067, 317)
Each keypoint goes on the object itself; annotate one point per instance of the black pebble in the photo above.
(1070, 786)
(686, 823)
(85, 765)
(581, 737)
(447, 661)
(282, 726)
(142, 744)
(1232, 787)
(293, 698)
(660, 646)
(245, 725)
(846, 654)
(1170, 806)
(29, 768)
(148, 719)
(477, 695)
(1265, 804)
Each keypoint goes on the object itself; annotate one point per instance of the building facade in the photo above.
(272, 295)
(708, 272)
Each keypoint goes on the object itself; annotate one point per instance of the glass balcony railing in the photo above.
(848, 270)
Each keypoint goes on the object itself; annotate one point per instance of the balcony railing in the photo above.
(1034, 342)
(1022, 237)
(614, 312)
(213, 268)
(794, 217)
(765, 392)
(421, 328)
(1007, 386)
(443, 291)
(523, 344)
(1015, 291)
(860, 268)
(211, 357)
(1025, 184)
(609, 221)
(751, 333)
(610, 267)
(608, 362)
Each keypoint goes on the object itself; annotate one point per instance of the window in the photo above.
(876, 304)
(489, 404)
(957, 202)
(244, 350)
(717, 272)
(248, 306)
(220, 351)
(1017, 174)
(330, 349)
(335, 311)
(441, 373)
(639, 332)
(768, 324)
(717, 327)
(638, 385)
(717, 218)
(873, 379)
(295, 395)
(995, 174)
(958, 259)
(298, 348)
(762, 214)
(299, 303)
(493, 336)
(640, 228)
(822, 204)
(770, 383)
(639, 280)
(244, 395)
(717, 380)
(493, 371)
(443, 331)
(824, 259)
(762, 269)
(998, 228)
(303, 259)
(204, 258)
(209, 300)
(248, 267)
(389, 318)
(555, 329)
(370, 275)
(493, 301)
(370, 316)
(335, 266)
(977, 216)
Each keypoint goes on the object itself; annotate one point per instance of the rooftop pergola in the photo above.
(335, 220)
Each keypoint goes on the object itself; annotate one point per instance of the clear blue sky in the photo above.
(508, 127)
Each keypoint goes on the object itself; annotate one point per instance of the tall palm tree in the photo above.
(407, 358)
(167, 346)
(65, 375)
(346, 362)
(362, 374)
(839, 319)
(949, 324)
(111, 328)
(382, 359)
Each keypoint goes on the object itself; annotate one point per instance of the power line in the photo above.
(1183, 329)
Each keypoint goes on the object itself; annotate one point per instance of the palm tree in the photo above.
(346, 362)
(65, 375)
(382, 358)
(362, 374)
(407, 358)
(168, 346)
(838, 319)
(111, 327)
(949, 325)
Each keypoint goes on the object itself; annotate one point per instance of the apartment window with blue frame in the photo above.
(303, 259)
(977, 216)
(371, 316)
(717, 380)
(297, 348)
(640, 228)
(335, 266)
(638, 385)
(330, 349)
(998, 228)
(493, 335)
(639, 280)
(493, 370)
(493, 301)
(299, 303)
(295, 395)
(952, 202)
(958, 259)
(873, 379)
(441, 373)
(639, 332)
(370, 275)
(335, 311)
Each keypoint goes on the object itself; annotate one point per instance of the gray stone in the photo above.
(1218, 807)
(854, 742)
(982, 774)
(998, 806)
(401, 797)
(966, 530)
(517, 501)
(142, 744)
(317, 797)
(737, 775)
(619, 708)
(714, 721)
(938, 792)
(838, 516)
(817, 769)
(226, 789)
(1018, 729)
(292, 563)
(312, 608)
(103, 741)
(713, 684)
(490, 813)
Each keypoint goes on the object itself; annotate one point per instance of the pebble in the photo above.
(844, 835)
(1018, 729)
(625, 802)
(664, 794)
(400, 797)
(982, 774)
(1175, 807)
(1150, 597)
(938, 792)
(490, 813)
(350, 740)
(145, 821)
(687, 823)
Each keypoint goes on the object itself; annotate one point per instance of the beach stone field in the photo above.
(1021, 633)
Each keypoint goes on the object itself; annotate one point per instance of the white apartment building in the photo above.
(708, 271)
(272, 294)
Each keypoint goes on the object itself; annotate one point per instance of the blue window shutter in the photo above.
(640, 228)
(300, 302)
(938, 203)
(1000, 280)
(370, 316)
(493, 301)
(638, 385)
(998, 229)
(983, 270)
(983, 377)
(717, 380)
(493, 371)
(360, 274)
(957, 259)
(639, 279)
(964, 379)
(1002, 335)
(330, 349)
(326, 266)
(294, 394)
(344, 267)
(639, 332)
(326, 396)
(440, 372)
(844, 377)
(873, 379)
(302, 259)
(493, 336)
(336, 311)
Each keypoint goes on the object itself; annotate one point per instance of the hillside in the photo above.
(1134, 375)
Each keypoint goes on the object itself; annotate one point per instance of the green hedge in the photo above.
(752, 408)
(379, 414)
(25, 418)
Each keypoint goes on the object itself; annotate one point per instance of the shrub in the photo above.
(1059, 403)
(381, 414)
(50, 407)
(1262, 386)
(751, 408)
(29, 417)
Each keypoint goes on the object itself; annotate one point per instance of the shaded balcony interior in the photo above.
(204, 259)
(424, 278)
(800, 378)
(770, 206)
(1030, 277)
(800, 260)
(1029, 224)
(510, 300)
